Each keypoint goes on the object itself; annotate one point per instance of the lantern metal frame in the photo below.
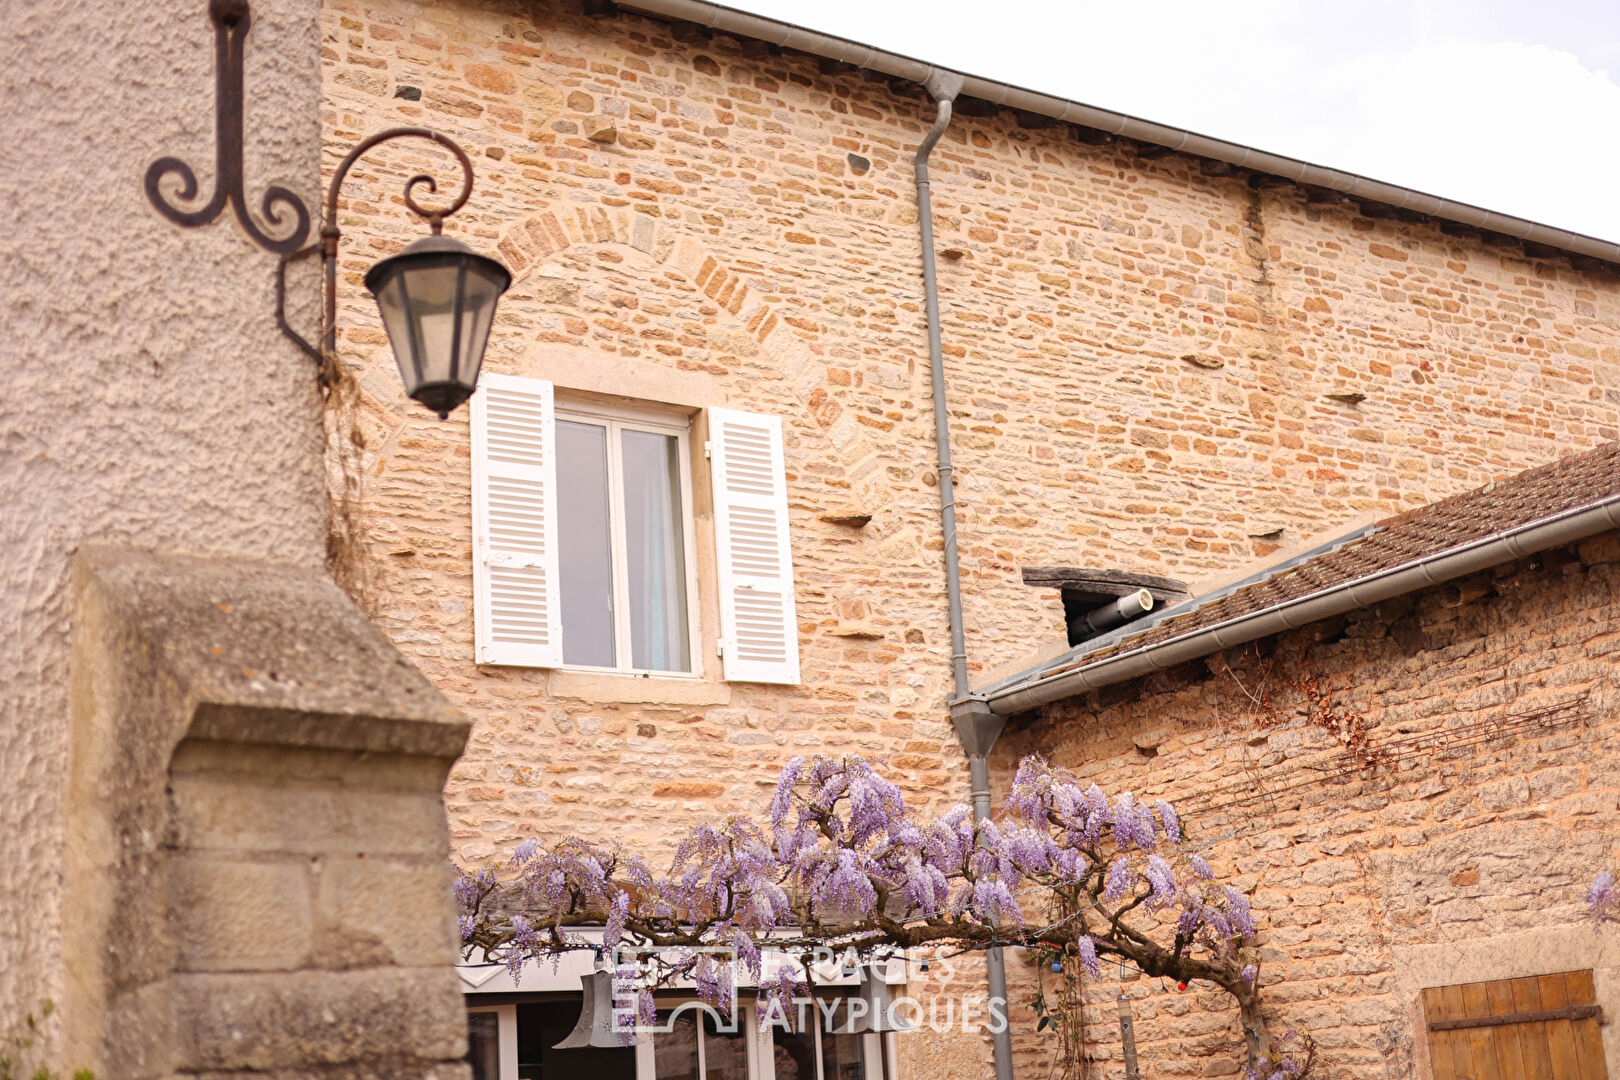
(282, 210)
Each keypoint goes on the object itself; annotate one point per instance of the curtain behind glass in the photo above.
(484, 1045)
(840, 1057)
(794, 1053)
(654, 551)
(675, 1055)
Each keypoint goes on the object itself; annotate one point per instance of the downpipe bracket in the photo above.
(976, 726)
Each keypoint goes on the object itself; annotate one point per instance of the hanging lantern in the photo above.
(880, 1015)
(595, 1026)
(437, 299)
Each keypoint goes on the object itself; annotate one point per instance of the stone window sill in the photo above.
(636, 689)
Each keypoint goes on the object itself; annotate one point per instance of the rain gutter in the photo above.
(788, 36)
(1054, 682)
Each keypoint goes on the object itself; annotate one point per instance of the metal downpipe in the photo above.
(936, 367)
(944, 87)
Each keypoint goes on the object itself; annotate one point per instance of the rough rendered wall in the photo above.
(1140, 357)
(149, 399)
(1468, 864)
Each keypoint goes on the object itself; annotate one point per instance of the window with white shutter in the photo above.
(517, 612)
(758, 626)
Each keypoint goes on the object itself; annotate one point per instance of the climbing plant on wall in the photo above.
(841, 860)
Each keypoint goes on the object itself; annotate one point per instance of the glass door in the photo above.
(697, 1046)
(516, 1042)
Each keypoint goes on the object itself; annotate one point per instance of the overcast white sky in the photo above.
(1513, 105)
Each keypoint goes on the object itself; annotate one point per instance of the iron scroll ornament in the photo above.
(231, 19)
(326, 356)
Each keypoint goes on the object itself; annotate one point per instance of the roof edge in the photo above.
(830, 47)
(1043, 685)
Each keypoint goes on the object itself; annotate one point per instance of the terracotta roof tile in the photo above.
(1526, 497)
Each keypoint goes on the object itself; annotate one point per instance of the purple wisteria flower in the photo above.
(1237, 908)
(1161, 879)
(471, 888)
(1119, 880)
(1172, 823)
(993, 902)
(1602, 899)
(524, 942)
(783, 800)
(775, 1005)
(1088, 956)
(613, 930)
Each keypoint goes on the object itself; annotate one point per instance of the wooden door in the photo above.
(1543, 1027)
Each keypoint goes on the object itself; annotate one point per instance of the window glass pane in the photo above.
(584, 544)
(840, 1057)
(541, 1027)
(484, 1045)
(725, 1054)
(675, 1055)
(795, 1054)
(655, 551)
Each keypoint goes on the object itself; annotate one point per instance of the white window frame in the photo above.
(617, 418)
(506, 1063)
(875, 1049)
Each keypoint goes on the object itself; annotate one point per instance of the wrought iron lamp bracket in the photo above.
(326, 356)
(232, 20)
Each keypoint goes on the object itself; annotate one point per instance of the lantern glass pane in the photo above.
(391, 304)
(437, 300)
(431, 292)
(480, 292)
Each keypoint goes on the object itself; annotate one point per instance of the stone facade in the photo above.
(1142, 357)
(1499, 696)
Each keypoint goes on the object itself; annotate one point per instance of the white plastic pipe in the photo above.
(1112, 614)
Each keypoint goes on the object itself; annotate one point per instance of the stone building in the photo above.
(1165, 356)
(1475, 638)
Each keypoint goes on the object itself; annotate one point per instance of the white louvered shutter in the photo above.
(518, 614)
(758, 628)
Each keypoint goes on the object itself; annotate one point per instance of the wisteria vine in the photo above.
(843, 861)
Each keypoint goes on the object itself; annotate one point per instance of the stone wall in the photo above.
(1500, 697)
(255, 881)
(1141, 359)
(723, 251)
